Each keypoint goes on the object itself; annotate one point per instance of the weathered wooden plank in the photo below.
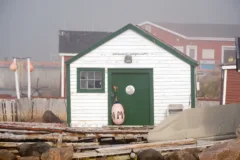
(98, 146)
(49, 128)
(25, 107)
(8, 110)
(127, 127)
(22, 131)
(94, 154)
(148, 145)
(107, 157)
(33, 124)
(76, 144)
(47, 137)
(1, 110)
(161, 149)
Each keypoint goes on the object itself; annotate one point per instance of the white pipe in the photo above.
(62, 77)
(224, 87)
(16, 81)
(29, 78)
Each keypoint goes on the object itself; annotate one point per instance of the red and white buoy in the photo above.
(118, 115)
(13, 66)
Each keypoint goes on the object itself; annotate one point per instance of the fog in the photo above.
(30, 27)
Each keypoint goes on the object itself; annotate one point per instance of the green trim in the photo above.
(128, 70)
(148, 36)
(101, 90)
(193, 87)
(68, 95)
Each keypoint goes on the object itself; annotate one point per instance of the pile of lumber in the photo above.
(19, 131)
(12, 134)
(88, 142)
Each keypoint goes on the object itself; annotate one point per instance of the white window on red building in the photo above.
(228, 54)
(148, 28)
(192, 51)
(208, 54)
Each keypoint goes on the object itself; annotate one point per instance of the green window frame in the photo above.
(90, 80)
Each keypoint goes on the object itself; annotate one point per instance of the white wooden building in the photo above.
(160, 75)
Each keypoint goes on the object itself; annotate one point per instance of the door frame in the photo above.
(130, 70)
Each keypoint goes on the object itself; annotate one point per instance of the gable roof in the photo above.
(78, 41)
(143, 33)
(188, 31)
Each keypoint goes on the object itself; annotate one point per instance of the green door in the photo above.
(138, 105)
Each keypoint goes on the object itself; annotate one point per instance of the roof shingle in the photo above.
(77, 41)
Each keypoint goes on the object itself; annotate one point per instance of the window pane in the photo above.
(83, 75)
(98, 75)
(91, 75)
(192, 53)
(83, 84)
(229, 56)
(208, 54)
(98, 84)
(90, 83)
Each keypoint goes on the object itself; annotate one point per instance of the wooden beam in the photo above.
(149, 145)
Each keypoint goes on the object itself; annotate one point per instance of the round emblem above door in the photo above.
(130, 90)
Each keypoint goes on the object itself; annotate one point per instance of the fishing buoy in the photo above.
(118, 115)
(13, 66)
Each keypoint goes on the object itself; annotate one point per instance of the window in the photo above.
(192, 52)
(90, 80)
(228, 54)
(148, 28)
(208, 53)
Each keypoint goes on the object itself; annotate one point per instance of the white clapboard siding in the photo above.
(171, 76)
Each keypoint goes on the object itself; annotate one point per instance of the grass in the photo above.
(210, 85)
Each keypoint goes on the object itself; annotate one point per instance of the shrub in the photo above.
(210, 85)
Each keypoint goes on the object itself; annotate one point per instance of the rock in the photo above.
(149, 154)
(35, 149)
(50, 117)
(6, 155)
(186, 154)
(29, 158)
(222, 151)
(64, 153)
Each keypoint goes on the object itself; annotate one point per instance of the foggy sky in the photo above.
(30, 27)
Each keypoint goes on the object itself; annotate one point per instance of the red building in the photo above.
(230, 80)
(209, 44)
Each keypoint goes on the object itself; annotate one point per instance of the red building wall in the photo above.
(175, 40)
(232, 89)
